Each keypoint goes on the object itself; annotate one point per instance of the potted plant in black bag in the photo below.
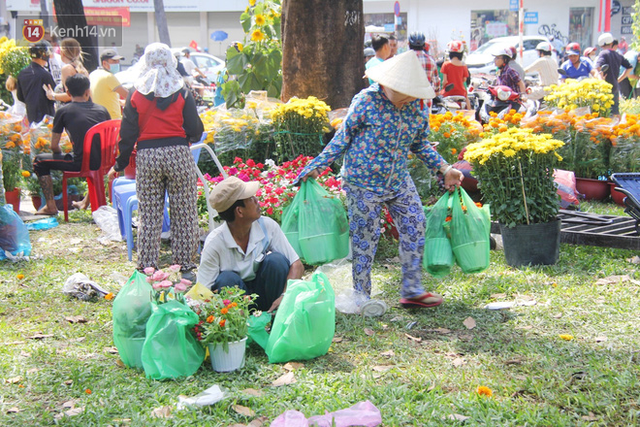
(515, 173)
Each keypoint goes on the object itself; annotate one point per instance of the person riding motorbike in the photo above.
(590, 55)
(506, 75)
(547, 69)
(576, 67)
(456, 72)
(514, 63)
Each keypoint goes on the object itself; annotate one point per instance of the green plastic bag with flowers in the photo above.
(170, 349)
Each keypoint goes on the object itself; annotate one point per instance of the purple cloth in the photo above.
(360, 414)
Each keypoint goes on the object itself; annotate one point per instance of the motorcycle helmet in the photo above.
(514, 52)
(588, 51)
(40, 50)
(416, 41)
(455, 46)
(573, 47)
(605, 38)
(505, 54)
(544, 47)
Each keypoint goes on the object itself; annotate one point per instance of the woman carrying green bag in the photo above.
(385, 122)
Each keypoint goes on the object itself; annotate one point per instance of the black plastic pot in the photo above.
(534, 244)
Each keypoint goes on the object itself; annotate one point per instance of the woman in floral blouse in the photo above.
(384, 124)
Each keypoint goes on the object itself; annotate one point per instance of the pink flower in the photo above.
(149, 271)
(237, 160)
(243, 176)
(233, 171)
(156, 286)
(180, 287)
(159, 276)
(186, 282)
(226, 302)
(165, 284)
(259, 192)
(174, 268)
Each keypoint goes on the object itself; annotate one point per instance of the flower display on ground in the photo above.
(515, 172)
(299, 126)
(593, 93)
(453, 133)
(223, 318)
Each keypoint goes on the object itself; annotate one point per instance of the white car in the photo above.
(480, 61)
(210, 65)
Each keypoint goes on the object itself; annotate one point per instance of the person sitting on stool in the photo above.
(248, 251)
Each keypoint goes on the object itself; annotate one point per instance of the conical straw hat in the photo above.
(403, 73)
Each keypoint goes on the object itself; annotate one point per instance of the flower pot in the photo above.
(230, 360)
(534, 244)
(37, 202)
(592, 189)
(13, 198)
(617, 196)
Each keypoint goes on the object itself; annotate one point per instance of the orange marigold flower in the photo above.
(20, 276)
(210, 319)
(222, 322)
(234, 304)
(109, 296)
(454, 151)
(484, 391)
(478, 204)
(26, 174)
(447, 219)
(224, 310)
(88, 391)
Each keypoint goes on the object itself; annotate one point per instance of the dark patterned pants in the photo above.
(405, 208)
(169, 169)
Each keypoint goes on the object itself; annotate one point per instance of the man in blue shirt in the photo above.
(576, 67)
(382, 48)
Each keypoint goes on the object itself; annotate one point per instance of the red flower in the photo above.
(251, 163)
(237, 160)
(270, 211)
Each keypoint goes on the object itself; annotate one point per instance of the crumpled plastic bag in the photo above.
(208, 397)
(106, 218)
(80, 286)
(340, 276)
(360, 414)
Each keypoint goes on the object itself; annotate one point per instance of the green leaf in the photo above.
(236, 62)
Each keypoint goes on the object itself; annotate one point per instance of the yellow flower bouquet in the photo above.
(515, 172)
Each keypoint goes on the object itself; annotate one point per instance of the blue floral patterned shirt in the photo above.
(376, 138)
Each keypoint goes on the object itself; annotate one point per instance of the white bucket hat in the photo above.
(157, 72)
(404, 74)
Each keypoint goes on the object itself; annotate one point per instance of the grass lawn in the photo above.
(419, 367)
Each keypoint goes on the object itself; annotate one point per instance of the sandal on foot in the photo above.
(429, 299)
(373, 308)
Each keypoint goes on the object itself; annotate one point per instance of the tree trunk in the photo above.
(322, 50)
(70, 16)
(161, 22)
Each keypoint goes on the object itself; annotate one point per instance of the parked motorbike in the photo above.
(502, 100)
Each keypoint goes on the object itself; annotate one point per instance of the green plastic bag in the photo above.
(438, 255)
(470, 228)
(170, 349)
(305, 322)
(323, 226)
(131, 310)
(290, 222)
(256, 331)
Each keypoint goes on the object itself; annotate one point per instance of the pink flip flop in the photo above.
(428, 299)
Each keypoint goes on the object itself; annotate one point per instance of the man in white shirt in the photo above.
(547, 69)
(248, 251)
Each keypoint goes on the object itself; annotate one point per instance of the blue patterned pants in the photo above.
(405, 208)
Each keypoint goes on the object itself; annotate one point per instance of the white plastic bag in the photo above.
(208, 397)
(106, 218)
(80, 286)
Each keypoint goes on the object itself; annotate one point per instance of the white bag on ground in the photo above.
(106, 218)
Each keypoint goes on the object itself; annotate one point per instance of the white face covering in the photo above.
(157, 72)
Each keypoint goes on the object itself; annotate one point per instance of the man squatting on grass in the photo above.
(248, 251)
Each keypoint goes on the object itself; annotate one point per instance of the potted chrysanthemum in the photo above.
(515, 173)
